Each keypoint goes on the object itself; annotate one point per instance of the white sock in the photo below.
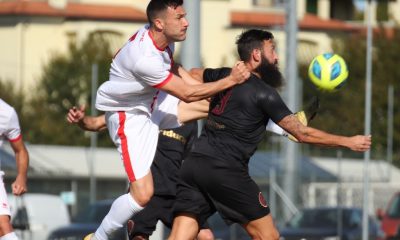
(9, 236)
(122, 209)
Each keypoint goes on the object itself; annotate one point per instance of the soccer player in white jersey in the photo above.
(139, 70)
(11, 131)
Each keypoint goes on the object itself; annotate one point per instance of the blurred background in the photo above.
(54, 53)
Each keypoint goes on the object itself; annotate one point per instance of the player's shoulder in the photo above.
(6, 109)
(212, 74)
(7, 113)
(260, 89)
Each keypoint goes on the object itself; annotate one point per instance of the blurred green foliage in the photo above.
(65, 82)
(343, 111)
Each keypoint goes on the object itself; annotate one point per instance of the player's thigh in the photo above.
(235, 195)
(136, 137)
(185, 227)
(262, 228)
(190, 199)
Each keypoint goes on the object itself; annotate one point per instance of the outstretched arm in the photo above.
(22, 158)
(88, 123)
(184, 87)
(311, 135)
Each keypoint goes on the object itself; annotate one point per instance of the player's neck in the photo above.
(252, 67)
(159, 38)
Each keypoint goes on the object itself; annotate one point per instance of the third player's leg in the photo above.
(185, 227)
(205, 234)
(262, 228)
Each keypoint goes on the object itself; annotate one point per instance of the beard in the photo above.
(270, 73)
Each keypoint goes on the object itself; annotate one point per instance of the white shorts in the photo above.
(4, 205)
(135, 133)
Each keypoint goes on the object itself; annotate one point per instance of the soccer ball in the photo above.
(328, 72)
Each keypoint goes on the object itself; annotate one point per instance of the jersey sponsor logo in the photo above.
(142, 37)
(219, 108)
(262, 201)
(173, 135)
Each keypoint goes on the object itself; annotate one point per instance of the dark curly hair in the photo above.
(250, 40)
(157, 6)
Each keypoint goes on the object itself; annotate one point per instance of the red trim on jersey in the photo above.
(130, 40)
(124, 147)
(170, 56)
(169, 77)
(15, 139)
(154, 43)
(133, 37)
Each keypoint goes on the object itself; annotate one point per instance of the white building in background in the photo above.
(384, 181)
(32, 31)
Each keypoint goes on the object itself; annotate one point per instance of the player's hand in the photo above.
(239, 72)
(360, 143)
(75, 115)
(18, 187)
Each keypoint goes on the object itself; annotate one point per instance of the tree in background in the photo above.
(66, 81)
(343, 111)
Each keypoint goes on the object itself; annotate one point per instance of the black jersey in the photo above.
(237, 118)
(172, 146)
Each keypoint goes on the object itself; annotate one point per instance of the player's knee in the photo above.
(205, 234)
(273, 234)
(142, 197)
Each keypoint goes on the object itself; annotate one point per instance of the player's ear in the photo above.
(158, 23)
(256, 55)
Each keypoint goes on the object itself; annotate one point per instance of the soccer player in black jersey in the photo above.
(214, 176)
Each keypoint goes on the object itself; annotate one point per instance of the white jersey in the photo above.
(136, 71)
(9, 124)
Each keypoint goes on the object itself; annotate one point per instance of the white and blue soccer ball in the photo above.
(328, 72)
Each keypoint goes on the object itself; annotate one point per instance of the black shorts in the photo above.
(158, 208)
(208, 184)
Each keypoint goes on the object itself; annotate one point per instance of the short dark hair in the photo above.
(250, 40)
(157, 6)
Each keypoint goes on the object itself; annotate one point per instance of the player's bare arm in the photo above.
(189, 93)
(192, 111)
(22, 157)
(89, 123)
(311, 135)
(188, 77)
